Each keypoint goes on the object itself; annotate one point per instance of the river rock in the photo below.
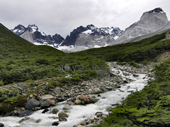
(53, 117)
(24, 119)
(1, 125)
(31, 103)
(67, 107)
(55, 111)
(70, 103)
(85, 99)
(99, 114)
(92, 117)
(62, 119)
(62, 114)
(51, 102)
(78, 102)
(55, 123)
(57, 91)
(44, 104)
(45, 110)
(47, 96)
(135, 75)
(93, 99)
(96, 90)
(37, 108)
(25, 113)
(39, 120)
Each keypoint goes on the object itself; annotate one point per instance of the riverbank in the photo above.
(83, 94)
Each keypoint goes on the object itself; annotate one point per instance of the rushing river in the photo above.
(79, 112)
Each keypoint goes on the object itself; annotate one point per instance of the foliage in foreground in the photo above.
(147, 108)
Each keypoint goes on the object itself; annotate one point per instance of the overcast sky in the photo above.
(62, 16)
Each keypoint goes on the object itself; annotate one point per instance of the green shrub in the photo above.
(132, 63)
(1, 83)
(145, 62)
(64, 80)
(12, 100)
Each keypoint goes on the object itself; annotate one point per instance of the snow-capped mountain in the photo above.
(35, 36)
(90, 36)
(150, 22)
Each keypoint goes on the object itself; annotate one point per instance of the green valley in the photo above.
(21, 61)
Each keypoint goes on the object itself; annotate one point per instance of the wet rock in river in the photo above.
(45, 110)
(1, 125)
(24, 119)
(55, 123)
(62, 114)
(25, 113)
(67, 107)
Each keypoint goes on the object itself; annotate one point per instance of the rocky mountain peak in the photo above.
(35, 36)
(156, 10)
(20, 29)
(32, 28)
(156, 13)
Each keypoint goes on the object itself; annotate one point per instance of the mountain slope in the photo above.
(21, 60)
(150, 22)
(35, 36)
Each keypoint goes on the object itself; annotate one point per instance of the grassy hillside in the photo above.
(146, 49)
(21, 61)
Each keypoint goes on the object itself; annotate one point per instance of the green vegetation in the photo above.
(146, 49)
(149, 107)
(21, 61)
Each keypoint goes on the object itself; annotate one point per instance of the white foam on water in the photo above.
(80, 112)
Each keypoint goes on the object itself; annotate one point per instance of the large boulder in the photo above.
(85, 99)
(51, 102)
(44, 104)
(32, 103)
(1, 125)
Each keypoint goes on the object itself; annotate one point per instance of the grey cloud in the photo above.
(62, 16)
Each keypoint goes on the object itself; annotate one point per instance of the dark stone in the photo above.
(44, 104)
(45, 110)
(32, 103)
(55, 123)
(25, 113)
(62, 119)
(98, 114)
(55, 111)
(1, 125)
